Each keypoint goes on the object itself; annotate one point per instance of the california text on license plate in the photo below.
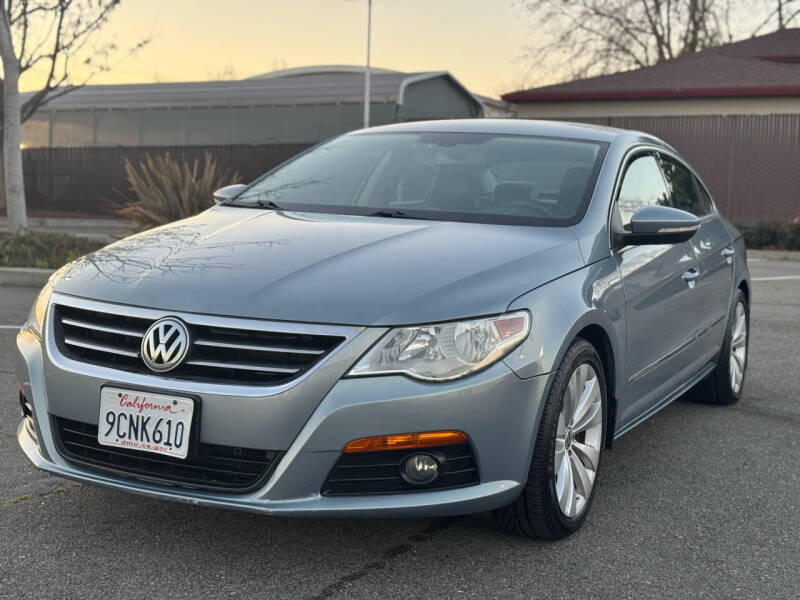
(145, 421)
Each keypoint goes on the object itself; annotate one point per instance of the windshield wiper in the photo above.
(392, 213)
(262, 203)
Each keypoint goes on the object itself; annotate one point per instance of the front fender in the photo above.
(562, 308)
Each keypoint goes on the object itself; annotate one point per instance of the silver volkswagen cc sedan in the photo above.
(421, 319)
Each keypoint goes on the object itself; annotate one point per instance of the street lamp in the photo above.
(366, 72)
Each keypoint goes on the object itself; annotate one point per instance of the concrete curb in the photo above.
(100, 229)
(23, 276)
(774, 254)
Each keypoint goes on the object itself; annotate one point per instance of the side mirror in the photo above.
(228, 192)
(657, 225)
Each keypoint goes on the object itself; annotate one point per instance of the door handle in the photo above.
(728, 252)
(690, 276)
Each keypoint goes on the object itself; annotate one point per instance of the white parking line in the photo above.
(778, 278)
(10, 326)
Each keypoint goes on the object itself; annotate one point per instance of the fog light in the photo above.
(420, 469)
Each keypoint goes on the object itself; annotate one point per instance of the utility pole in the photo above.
(366, 72)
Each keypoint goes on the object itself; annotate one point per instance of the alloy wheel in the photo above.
(738, 358)
(578, 440)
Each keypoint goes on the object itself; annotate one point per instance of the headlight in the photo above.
(445, 351)
(39, 309)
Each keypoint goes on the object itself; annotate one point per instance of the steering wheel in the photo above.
(561, 211)
(520, 207)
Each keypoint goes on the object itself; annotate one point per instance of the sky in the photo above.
(481, 42)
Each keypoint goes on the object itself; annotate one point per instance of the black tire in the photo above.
(536, 513)
(717, 387)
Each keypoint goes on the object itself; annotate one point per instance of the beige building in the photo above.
(757, 76)
(733, 111)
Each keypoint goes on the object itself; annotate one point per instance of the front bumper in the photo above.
(498, 411)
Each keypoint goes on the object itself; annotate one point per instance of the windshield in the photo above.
(438, 175)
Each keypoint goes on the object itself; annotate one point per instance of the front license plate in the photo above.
(145, 421)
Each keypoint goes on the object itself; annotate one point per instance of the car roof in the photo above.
(581, 131)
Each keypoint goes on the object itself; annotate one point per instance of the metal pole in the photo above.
(366, 72)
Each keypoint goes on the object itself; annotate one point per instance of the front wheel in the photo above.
(566, 457)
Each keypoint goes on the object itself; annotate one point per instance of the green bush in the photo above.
(167, 189)
(759, 235)
(771, 236)
(43, 250)
(789, 236)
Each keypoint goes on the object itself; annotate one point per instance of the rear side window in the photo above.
(643, 185)
(683, 191)
(705, 200)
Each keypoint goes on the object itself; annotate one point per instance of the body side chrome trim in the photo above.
(660, 361)
(668, 399)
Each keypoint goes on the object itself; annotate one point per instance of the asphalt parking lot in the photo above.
(699, 501)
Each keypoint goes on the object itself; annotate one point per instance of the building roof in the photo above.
(316, 69)
(305, 85)
(768, 65)
(532, 127)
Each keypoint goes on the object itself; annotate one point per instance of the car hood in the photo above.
(324, 268)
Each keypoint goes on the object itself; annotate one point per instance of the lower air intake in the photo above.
(379, 472)
(211, 467)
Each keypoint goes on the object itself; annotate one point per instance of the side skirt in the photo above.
(697, 378)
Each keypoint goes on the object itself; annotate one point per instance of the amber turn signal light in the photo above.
(405, 441)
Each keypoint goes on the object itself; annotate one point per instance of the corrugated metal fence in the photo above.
(751, 163)
(88, 180)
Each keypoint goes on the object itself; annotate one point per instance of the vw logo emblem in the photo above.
(165, 344)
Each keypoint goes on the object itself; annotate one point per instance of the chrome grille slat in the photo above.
(96, 327)
(241, 367)
(229, 352)
(99, 347)
(257, 348)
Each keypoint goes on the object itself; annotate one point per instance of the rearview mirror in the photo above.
(657, 225)
(228, 192)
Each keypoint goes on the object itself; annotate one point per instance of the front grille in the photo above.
(216, 354)
(212, 467)
(379, 472)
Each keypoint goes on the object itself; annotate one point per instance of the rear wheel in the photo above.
(566, 458)
(724, 384)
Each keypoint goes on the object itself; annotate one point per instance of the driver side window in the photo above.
(643, 185)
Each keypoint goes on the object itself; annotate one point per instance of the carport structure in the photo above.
(301, 105)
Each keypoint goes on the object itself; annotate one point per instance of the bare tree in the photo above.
(583, 38)
(780, 14)
(47, 36)
(226, 73)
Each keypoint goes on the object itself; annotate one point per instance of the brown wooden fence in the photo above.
(751, 163)
(87, 181)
